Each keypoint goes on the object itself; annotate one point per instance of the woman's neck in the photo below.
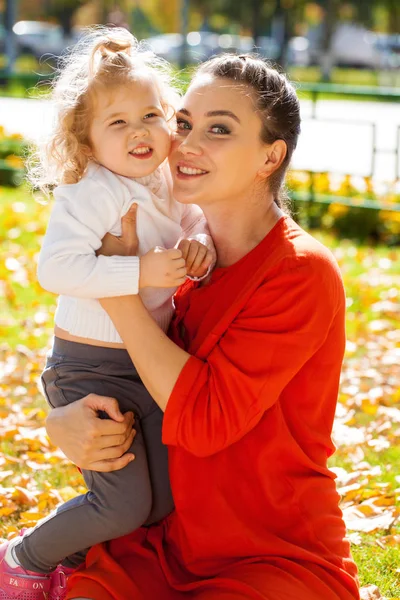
(236, 233)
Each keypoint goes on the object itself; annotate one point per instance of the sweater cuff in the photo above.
(123, 276)
(206, 274)
(178, 398)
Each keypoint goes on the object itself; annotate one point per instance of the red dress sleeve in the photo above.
(217, 401)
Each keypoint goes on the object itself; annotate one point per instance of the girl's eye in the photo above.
(182, 125)
(118, 122)
(150, 115)
(219, 130)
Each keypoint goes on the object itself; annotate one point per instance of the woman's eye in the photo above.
(118, 122)
(182, 125)
(219, 129)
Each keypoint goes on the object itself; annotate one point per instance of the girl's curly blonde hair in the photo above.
(105, 58)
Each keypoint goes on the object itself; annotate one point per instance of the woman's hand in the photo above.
(128, 243)
(88, 441)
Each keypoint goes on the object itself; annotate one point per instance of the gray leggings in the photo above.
(117, 502)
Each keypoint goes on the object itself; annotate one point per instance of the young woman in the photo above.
(248, 379)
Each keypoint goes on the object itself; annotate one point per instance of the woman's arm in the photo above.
(211, 404)
(150, 349)
(158, 360)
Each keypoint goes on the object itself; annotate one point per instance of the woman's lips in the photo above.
(189, 172)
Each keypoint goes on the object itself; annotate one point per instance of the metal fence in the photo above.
(324, 90)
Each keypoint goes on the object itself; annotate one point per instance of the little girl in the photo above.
(108, 150)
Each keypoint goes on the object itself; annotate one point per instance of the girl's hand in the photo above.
(162, 268)
(88, 441)
(128, 243)
(197, 256)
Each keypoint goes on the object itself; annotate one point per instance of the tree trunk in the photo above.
(10, 17)
(364, 13)
(256, 21)
(282, 23)
(327, 59)
(393, 8)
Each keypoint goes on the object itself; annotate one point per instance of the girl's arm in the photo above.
(82, 214)
(68, 263)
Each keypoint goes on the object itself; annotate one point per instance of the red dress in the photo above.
(248, 426)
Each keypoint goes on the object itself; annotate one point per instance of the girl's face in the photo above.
(129, 133)
(217, 154)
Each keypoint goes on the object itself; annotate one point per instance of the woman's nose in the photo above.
(190, 145)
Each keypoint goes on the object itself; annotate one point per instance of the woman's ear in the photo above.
(275, 155)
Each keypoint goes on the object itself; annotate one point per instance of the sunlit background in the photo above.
(344, 183)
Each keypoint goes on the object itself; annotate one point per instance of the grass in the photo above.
(378, 566)
(26, 315)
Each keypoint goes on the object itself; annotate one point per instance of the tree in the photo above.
(331, 8)
(64, 12)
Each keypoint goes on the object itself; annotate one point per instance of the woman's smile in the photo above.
(186, 170)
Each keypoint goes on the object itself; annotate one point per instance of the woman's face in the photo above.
(217, 154)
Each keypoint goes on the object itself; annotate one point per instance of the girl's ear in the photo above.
(87, 151)
(275, 155)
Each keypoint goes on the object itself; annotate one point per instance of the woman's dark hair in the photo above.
(276, 101)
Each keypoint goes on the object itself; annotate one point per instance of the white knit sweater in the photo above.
(83, 213)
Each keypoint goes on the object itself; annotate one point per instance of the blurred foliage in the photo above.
(13, 150)
(314, 205)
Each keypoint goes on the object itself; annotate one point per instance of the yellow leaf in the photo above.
(23, 496)
(5, 511)
(31, 516)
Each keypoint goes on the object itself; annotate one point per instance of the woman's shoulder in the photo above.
(298, 249)
(295, 260)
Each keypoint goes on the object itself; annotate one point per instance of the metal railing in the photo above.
(316, 90)
(334, 89)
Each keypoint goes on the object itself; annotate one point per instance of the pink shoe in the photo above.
(18, 584)
(58, 583)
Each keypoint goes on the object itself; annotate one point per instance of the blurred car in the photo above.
(298, 52)
(351, 46)
(388, 46)
(39, 38)
(267, 47)
(201, 45)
